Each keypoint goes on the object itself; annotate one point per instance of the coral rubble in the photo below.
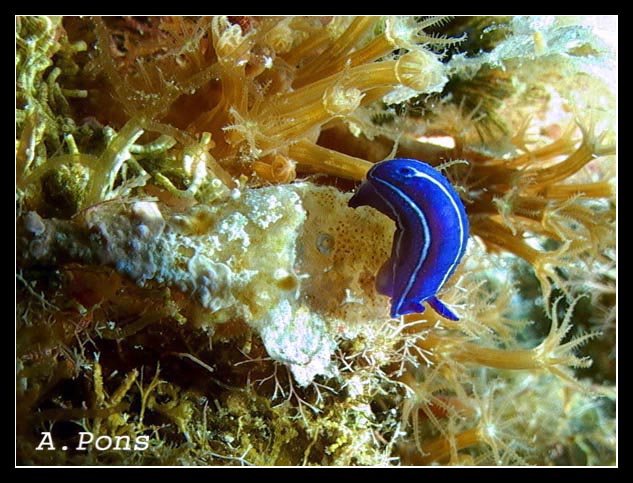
(193, 289)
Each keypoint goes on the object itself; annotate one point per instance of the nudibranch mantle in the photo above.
(431, 232)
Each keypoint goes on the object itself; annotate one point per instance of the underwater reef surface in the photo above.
(192, 287)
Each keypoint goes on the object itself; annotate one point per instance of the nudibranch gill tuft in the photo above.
(431, 232)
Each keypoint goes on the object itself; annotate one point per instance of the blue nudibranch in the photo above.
(431, 232)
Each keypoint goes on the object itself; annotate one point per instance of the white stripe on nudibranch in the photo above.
(427, 241)
(455, 206)
(394, 265)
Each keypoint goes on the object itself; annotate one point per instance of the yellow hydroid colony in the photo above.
(194, 289)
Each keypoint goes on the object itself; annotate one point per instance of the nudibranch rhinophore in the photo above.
(431, 232)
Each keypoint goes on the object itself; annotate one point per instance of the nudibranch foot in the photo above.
(411, 307)
(408, 307)
(441, 309)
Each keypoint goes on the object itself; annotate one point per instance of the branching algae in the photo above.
(193, 289)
